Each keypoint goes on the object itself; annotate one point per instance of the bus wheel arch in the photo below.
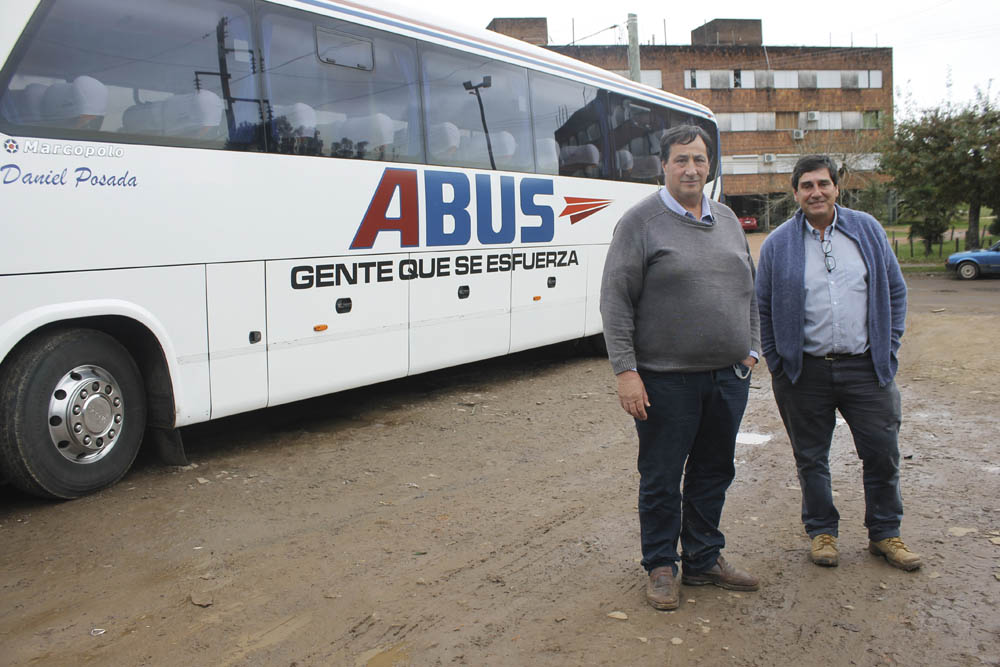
(60, 438)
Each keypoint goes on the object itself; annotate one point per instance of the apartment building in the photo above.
(773, 103)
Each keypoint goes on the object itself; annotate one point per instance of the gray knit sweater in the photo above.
(677, 295)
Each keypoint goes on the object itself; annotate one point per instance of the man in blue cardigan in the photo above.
(832, 307)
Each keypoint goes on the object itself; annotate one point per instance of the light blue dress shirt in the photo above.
(836, 304)
(675, 206)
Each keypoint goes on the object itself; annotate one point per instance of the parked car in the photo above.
(971, 263)
(749, 223)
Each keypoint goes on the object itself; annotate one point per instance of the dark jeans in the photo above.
(691, 432)
(873, 415)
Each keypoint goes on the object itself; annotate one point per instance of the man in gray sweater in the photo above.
(681, 325)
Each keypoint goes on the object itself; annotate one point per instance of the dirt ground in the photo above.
(486, 515)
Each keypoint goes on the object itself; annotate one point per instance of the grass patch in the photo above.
(916, 253)
(922, 268)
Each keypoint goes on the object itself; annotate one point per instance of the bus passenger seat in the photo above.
(647, 168)
(579, 160)
(143, 118)
(442, 141)
(78, 105)
(547, 155)
(504, 145)
(624, 161)
(376, 132)
(196, 115)
(474, 150)
(26, 104)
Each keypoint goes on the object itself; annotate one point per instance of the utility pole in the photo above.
(633, 48)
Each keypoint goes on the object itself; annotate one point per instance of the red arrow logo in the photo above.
(578, 208)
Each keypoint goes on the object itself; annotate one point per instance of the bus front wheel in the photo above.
(72, 413)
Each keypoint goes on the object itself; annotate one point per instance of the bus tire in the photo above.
(72, 413)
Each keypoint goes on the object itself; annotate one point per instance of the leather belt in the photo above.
(831, 356)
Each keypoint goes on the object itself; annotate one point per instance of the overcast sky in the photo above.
(933, 41)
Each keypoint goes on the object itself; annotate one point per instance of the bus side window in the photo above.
(569, 127)
(485, 101)
(156, 78)
(636, 128)
(359, 83)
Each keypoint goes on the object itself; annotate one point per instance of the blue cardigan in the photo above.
(781, 293)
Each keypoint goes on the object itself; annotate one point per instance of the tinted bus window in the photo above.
(636, 128)
(340, 89)
(569, 121)
(141, 71)
(477, 111)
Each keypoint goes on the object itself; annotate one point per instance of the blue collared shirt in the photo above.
(836, 301)
(675, 206)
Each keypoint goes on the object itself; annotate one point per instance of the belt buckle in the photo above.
(829, 356)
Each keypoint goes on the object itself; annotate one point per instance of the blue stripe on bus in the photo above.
(483, 47)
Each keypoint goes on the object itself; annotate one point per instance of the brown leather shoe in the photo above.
(824, 550)
(663, 591)
(723, 575)
(896, 553)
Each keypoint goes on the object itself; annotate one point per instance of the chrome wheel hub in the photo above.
(86, 414)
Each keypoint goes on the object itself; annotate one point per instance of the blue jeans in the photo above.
(691, 432)
(873, 415)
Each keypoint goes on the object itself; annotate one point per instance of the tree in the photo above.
(946, 157)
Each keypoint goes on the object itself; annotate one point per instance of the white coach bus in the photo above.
(213, 206)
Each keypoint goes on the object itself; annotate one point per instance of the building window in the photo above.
(786, 79)
(850, 120)
(718, 79)
(871, 120)
(721, 78)
(750, 121)
(765, 120)
(763, 79)
(829, 78)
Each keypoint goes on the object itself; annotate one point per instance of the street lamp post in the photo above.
(474, 90)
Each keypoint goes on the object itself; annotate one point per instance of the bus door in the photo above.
(237, 337)
(459, 307)
(334, 323)
(548, 296)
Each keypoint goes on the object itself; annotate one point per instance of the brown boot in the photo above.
(896, 553)
(723, 575)
(824, 550)
(663, 589)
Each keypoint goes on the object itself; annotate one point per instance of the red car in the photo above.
(749, 223)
